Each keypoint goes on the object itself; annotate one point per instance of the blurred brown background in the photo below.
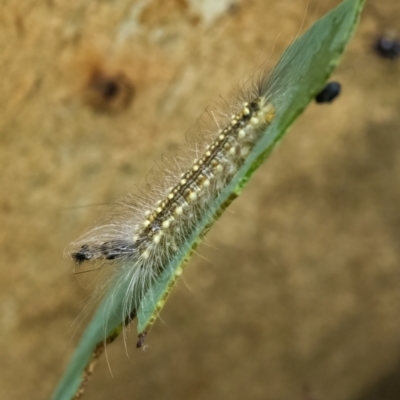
(298, 296)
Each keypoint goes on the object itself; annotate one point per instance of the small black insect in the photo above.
(328, 93)
(387, 48)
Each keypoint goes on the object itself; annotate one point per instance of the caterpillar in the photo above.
(140, 234)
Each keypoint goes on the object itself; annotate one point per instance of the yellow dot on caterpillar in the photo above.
(268, 113)
(208, 153)
(157, 237)
(246, 111)
(178, 210)
(219, 168)
(170, 196)
(242, 133)
(195, 168)
(146, 223)
(221, 137)
(232, 150)
(183, 181)
(193, 196)
(206, 182)
(244, 151)
(158, 209)
(166, 224)
(254, 121)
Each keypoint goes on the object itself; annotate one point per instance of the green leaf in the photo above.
(300, 74)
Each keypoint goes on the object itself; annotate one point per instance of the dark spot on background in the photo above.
(109, 92)
(387, 47)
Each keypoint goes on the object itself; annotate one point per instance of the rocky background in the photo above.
(296, 293)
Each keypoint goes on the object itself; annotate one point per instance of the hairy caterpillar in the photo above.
(141, 234)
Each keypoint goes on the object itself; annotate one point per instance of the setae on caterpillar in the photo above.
(140, 235)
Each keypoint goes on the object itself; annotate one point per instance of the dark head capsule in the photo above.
(328, 93)
(387, 48)
(84, 254)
